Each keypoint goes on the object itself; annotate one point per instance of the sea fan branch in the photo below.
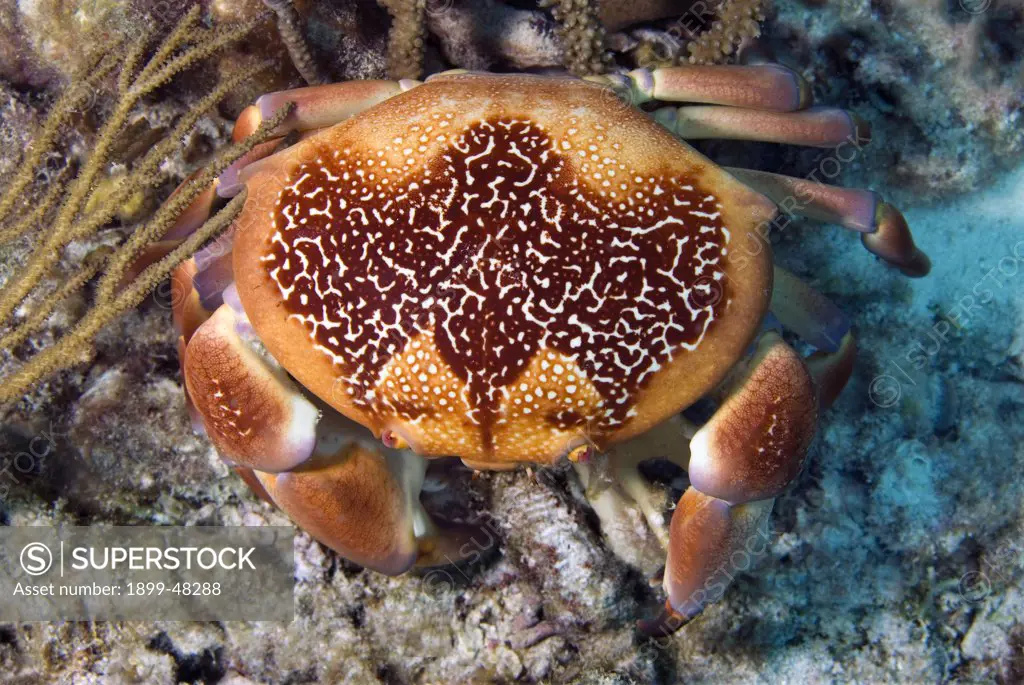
(87, 204)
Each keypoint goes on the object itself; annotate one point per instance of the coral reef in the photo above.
(43, 40)
(896, 558)
(488, 34)
(618, 15)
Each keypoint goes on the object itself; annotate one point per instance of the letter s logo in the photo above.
(36, 558)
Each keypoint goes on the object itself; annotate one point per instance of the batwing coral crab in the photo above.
(511, 270)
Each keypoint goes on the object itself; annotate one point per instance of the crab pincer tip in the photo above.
(892, 241)
(667, 622)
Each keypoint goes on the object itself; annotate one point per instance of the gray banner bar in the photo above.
(147, 573)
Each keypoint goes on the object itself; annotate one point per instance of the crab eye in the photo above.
(393, 440)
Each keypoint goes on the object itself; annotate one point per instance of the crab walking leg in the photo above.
(883, 229)
(189, 308)
(326, 105)
(747, 454)
(803, 310)
(762, 87)
(209, 270)
(831, 371)
(815, 127)
(186, 309)
(193, 216)
(197, 283)
(316, 107)
(806, 312)
(188, 315)
(215, 258)
(613, 482)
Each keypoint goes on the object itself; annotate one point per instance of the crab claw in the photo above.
(755, 444)
(254, 415)
(746, 455)
(363, 502)
(326, 472)
(354, 501)
(711, 541)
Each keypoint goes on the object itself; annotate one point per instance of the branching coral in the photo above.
(486, 34)
(738, 21)
(582, 36)
(290, 30)
(406, 42)
(705, 33)
(732, 22)
(77, 210)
